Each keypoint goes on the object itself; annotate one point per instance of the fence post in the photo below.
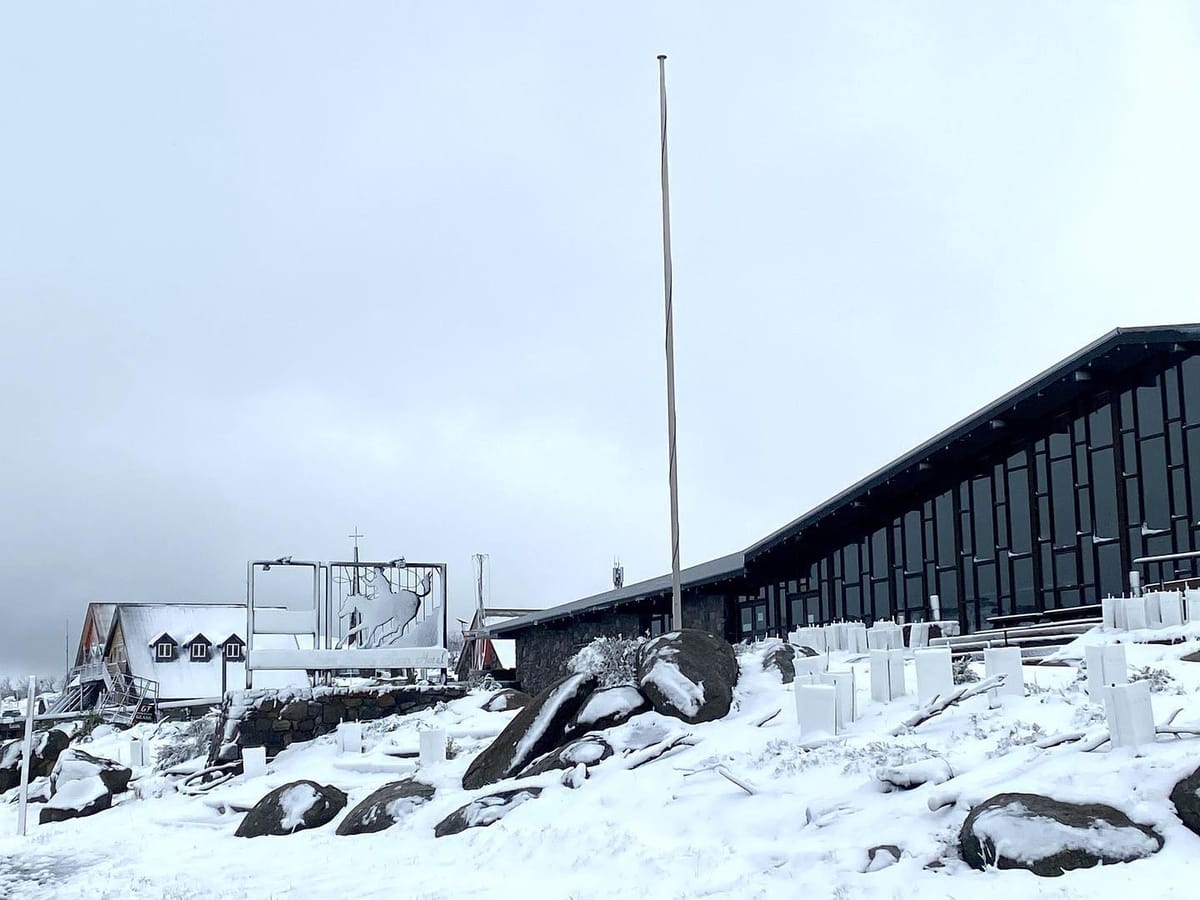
(26, 753)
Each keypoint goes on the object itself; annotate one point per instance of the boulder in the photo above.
(1186, 797)
(781, 658)
(47, 745)
(1049, 837)
(76, 799)
(385, 807)
(587, 751)
(484, 811)
(607, 708)
(507, 699)
(73, 765)
(881, 857)
(688, 674)
(293, 807)
(536, 729)
(803, 650)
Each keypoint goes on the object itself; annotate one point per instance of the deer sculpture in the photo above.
(386, 606)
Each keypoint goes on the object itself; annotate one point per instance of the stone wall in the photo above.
(277, 718)
(543, 650)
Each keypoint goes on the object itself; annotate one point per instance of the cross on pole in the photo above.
(354, 575)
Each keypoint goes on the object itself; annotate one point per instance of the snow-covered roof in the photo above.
(182, 678)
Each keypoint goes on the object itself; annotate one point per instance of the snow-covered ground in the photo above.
(675, 827)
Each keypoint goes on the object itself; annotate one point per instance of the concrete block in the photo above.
(935, 674)
(816, 709)
(1130, 715)
(1005, 661)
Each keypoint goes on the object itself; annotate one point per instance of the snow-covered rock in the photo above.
(781, 658)
(587, 751)
(76, 799)
(1049, 837)
(293, 807)
(484, 811)
(536, 729)
(47, 745)
(1186, 797)
(688, 674)
(75, 765)
(607, 708)
(386, 806)
(507, 699)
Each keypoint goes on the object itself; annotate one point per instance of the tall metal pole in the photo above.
(676, 595)
(26, 753)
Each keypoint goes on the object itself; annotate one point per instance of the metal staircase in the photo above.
(130, 699)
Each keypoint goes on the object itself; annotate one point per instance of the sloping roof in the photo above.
(714, 570)
(1080, 373)
(102, 614)
(181, 678)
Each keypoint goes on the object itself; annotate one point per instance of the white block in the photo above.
(1130, 715)
(1135, 613)
(1170, 607)
(349, 737)
(816, 709)
(1191, 604)
(1105, 667)
(1108, 613)
(896, 673)
(433, 747)
(1005, 661)
(881, 690)
(809, 665)
(254, 761)
(935, 674)
(1153, 613)
(858, 635)
(137, 753)
(876, 639)
(843, 683)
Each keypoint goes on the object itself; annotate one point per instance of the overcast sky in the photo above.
(271, 271)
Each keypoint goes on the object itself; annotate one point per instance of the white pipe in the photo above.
(26, 753)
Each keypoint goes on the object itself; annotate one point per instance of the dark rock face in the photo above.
(1186, 797)
(688, 674)
(73, 764)
(385, 807)
(47, 745)
(77, 799)
(293, 807)
(607, 708)
(781, 659)
(588, 750)
(537, 729)
(804, 651)
(992, 835)
(484, 811)
(507, 699)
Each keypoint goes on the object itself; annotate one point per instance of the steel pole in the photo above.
(26, 753)
(676, 594)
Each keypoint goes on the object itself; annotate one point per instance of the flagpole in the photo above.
(676, 596)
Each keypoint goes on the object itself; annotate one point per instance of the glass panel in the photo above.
(944, 510)
(1063, 501)
(1060, 444)
(913, 555)
(1100, 425)
(981, 503)
(1171, 382)
(948, 594)
(1112, 575)
(879, 553)
(1190, 371)
(1023, 587)
(854, 607)
(1018, 510)
(1149, 410)
(988, 601)
(1154, 483)
(1104, 492)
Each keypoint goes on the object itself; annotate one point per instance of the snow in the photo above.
(683, 693)
(295, 802)
(541, 722)
(674, 827)
(1017, 835)
(78, 794)
(614, 701)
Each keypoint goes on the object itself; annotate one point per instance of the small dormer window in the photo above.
(233, 650)
(164, 651)
(199, 651)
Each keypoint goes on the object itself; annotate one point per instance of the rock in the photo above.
(804, 651)
(73, 765)
(507, 699)
(1049, 837)
(607, 708)
(780, 658)
(1186, 797)
(385, 807)
(585, 751)
(688, 674)
(293, 807)
(536, 729)
(484, 811)
(881, 857)
(75, 799)
(47, 745)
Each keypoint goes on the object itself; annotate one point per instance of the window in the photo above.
(199, 651)
(164, 650)
(233, 650)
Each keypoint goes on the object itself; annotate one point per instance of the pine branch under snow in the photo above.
(939, 704)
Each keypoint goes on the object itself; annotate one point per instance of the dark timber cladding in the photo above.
(1040, 500)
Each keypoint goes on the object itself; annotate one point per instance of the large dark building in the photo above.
(1046, 498)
